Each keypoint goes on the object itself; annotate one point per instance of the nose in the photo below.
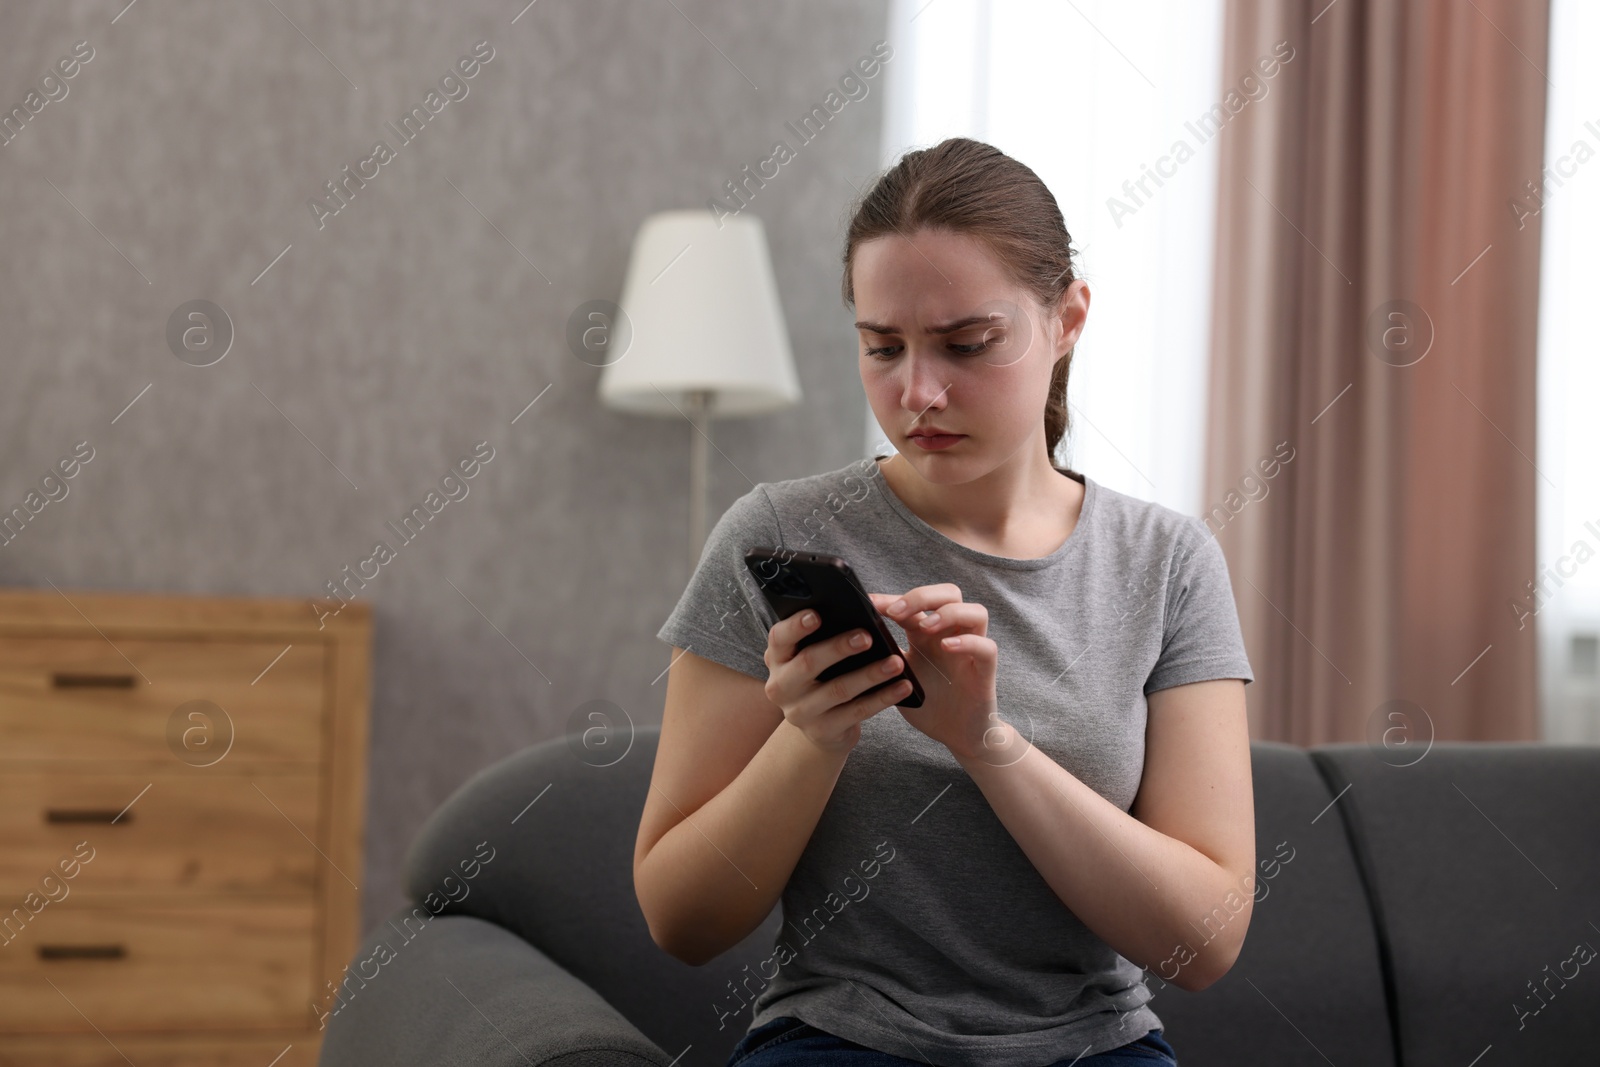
(926, 387)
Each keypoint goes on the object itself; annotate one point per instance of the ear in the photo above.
(1071, 312)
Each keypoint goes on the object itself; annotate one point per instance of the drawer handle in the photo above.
(82, 952)
(68, 680)
(105, 815)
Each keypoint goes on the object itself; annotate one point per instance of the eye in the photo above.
(881, 356)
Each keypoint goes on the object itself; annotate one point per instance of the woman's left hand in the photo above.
(955, 660)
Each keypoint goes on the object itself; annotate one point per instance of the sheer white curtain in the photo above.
(1092, 95)
(1566, 594)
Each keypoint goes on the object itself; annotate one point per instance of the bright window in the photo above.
(1089, 94)
(1566, 594)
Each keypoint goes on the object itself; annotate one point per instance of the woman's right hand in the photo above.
(829, 713)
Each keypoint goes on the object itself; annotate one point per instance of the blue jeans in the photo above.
(787, 1041)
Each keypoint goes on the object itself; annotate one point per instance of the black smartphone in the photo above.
(795, 581)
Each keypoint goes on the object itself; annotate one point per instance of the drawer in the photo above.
(87, 699)
(287, 1049)
(205, 967)
(192, 832)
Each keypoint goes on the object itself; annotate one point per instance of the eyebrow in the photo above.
(885, 328)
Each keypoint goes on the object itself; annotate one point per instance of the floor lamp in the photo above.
(707, 335)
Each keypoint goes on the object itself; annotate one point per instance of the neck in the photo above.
(1004, 503)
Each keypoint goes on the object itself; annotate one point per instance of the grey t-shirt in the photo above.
(913, 922)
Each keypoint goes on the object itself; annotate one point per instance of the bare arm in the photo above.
(742, 773)
(1170, 883)
(715, 876)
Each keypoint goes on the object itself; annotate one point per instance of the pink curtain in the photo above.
(1374, 322)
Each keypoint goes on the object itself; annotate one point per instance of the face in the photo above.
(987, 380)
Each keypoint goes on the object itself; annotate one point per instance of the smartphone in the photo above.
(795, 581)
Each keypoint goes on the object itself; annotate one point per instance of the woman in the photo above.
(979, 881)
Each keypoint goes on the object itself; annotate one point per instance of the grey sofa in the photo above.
(1429, 913)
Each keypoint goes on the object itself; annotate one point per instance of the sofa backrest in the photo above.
(1482, 859)
(1482, 862)
(1307, 987)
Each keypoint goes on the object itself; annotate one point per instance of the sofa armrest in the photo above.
(454, 990)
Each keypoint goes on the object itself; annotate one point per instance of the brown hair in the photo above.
(973, 188)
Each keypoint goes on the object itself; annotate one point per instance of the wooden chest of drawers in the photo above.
(182, 785)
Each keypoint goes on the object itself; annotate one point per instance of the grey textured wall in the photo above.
(419, 320)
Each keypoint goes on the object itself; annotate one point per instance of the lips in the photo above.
(935, 441)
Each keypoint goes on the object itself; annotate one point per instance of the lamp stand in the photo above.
(699, 462)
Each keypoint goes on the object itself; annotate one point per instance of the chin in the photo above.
(933, 466)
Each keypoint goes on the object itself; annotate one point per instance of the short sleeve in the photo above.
(1201, 638)
(723, 615)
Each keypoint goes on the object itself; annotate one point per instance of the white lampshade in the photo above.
(704, 312)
